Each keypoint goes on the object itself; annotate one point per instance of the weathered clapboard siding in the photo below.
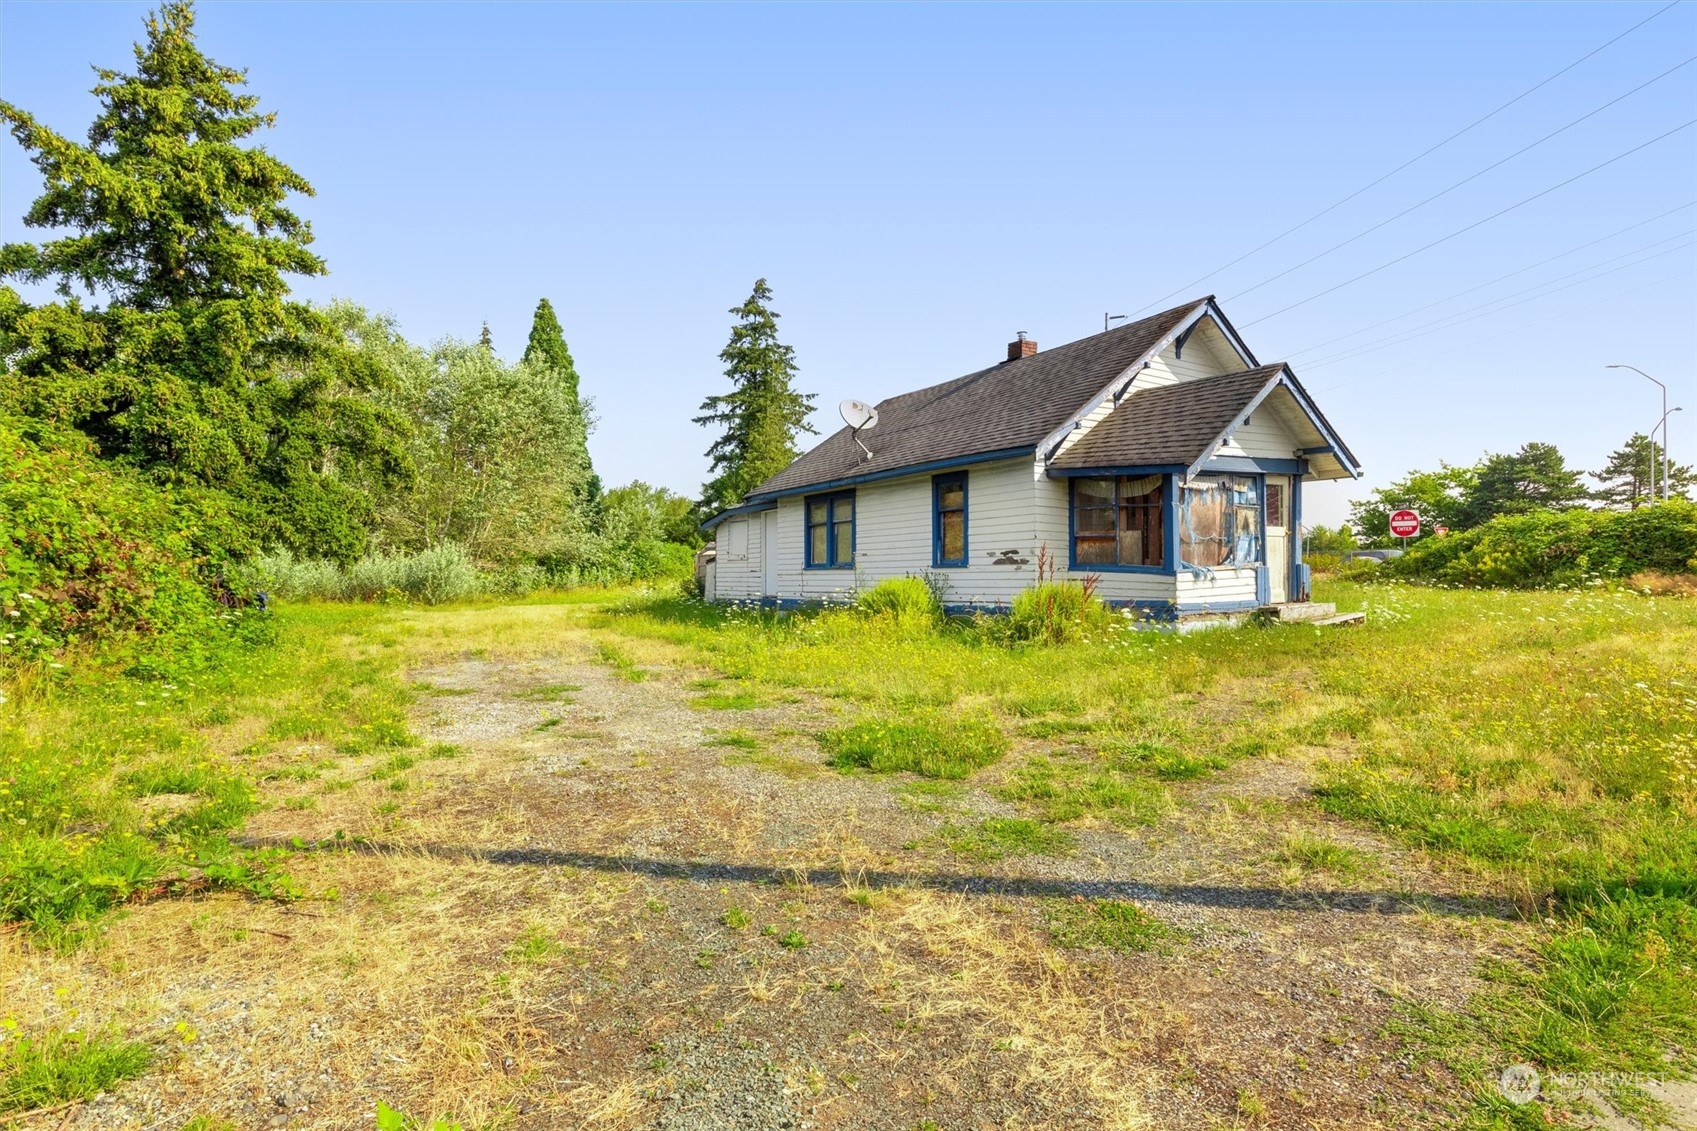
(1207, 353)
(736, 569)
(893, 537)
(1231, 588)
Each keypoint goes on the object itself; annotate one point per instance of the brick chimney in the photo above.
(1023, 347)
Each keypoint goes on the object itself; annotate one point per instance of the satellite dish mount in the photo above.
(859, 416)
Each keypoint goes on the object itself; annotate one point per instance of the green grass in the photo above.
(727, 701)
(1108, 924)
(931, 747)
(999, 837)
(88, 761)
(1545, 742)
(45, 1070)
(1310, 853)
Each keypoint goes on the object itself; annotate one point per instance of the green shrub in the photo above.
(934, 748)
(1548, 548)
(432, 577)
(1057, 612)
(89, 553)
(907, 602)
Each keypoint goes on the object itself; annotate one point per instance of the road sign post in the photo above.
(1405, 524)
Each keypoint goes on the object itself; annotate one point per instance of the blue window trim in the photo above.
(831, 500)
(1169, 532)
(938, 561)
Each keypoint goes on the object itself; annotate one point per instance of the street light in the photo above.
(1664, 424)
(1667, 477)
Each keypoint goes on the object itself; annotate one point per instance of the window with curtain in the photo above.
(948, 525)
(1119, 521)
(830, 531)
(1221, 521)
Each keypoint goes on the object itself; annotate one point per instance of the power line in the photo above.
(1412, 160)
(1463, 181)
(1495, 306)
(1516, 330)
(1492, 282)
(1475, 224)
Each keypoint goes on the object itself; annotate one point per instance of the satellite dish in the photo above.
(858, 414)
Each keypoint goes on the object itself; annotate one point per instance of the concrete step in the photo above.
(1340, 620)
(1300, 611)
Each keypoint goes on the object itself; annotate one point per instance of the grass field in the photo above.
(1539, 748)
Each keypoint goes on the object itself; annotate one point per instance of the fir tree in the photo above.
(762, 414)
(547, 348)
(198, 369)
(1626, 480)
(486, 339)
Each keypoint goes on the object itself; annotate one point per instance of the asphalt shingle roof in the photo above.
(1007, 407)
(1168, 425)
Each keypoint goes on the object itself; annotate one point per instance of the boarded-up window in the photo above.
(948, 525)
(1221, 522)
(735, 539)
(1119, 521)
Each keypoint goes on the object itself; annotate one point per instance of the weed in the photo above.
(1109, 923)
(736, 918)
(41, 1071)
(792, 939)
(933, 748)
(998, 837)
(1311, 853)
(1064, 790)
(620, 661)
(534, 945)
(727, 701)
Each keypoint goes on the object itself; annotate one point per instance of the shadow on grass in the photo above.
(718, 872)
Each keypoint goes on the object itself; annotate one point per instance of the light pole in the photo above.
(1667, 492)
(1664, 389)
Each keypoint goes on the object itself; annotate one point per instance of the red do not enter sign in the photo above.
(1405, 523)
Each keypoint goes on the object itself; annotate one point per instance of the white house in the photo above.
(1160, 457)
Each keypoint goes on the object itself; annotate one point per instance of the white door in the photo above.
(1278, 538)
(769, 553)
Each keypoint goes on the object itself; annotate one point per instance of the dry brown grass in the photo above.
(1664, 584)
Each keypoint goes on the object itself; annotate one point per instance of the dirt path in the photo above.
(645, 902)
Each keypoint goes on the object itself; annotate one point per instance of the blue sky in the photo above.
(918, 183)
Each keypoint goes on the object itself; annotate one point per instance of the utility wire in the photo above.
(1516, 330)
(1458, 184)
(1412, 160)
(1475, 224)
(1496, 306)
(1492, 282)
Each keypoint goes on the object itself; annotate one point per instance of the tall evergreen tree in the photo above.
(486, 339)
(1534, 478)
(547, 348)
(762, 414)
(1631, 470)
(197, 369)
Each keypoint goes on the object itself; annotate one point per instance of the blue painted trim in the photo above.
(1263, 572)
(1172, 520)
(1297, 592)
(1097, 472)
(1184, 336)
(1320, 451)
(1254, 465)
(830, 502)
(896, 473)
(938, 482)
(745, 508)
(1338, 449)
(1169, 511)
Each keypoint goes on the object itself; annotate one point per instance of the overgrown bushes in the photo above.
(90, 552)
(1057, 612)
(1548, 548)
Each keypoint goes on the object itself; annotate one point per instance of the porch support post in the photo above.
(1298, 591)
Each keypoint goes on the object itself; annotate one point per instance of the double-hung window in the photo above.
(948, 520)
(830, 531)
(1119, 521)
(1221, 521)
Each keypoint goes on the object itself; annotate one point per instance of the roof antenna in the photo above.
(859, 416)
(1109, 319)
